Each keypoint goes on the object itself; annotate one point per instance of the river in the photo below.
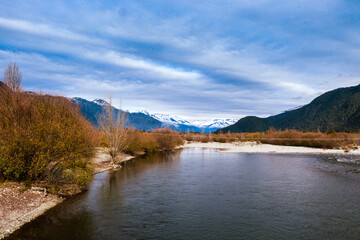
(205, 194)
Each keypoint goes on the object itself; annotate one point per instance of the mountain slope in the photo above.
(338, 109)
(145, 121)
(91, 109)
(4, 87)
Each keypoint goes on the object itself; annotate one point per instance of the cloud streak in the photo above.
(219, 59)
(44, 30)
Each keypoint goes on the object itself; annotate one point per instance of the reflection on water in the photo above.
(205, 194)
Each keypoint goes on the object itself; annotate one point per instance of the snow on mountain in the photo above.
(174, 120)
(101, 102)
(214, 123)
(155, 120)
(166, 118)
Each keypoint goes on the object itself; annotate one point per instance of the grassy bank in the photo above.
(329, 140)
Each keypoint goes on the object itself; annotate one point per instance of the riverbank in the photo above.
(253, 147)
(20, 204)
(102, 161)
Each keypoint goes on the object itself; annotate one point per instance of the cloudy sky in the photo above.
(196, 59)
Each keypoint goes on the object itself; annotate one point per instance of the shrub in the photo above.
(38, 130)
(140, 141)
(167, 139)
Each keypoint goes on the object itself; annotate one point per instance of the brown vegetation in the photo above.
(162, 139)
(42, 137)
(167, 139)
(329, 140)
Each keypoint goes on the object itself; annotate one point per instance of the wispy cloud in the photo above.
(215, 59)
(162, 72)
(45, 30)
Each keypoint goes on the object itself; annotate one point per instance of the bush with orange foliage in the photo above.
(40, 133)
(167, 139)
(161, 139)
(140, 141)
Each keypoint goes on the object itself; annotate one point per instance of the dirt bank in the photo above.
(102, 161)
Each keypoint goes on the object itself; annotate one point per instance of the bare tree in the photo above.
(11, 100)
(112, 124)
(12, 77)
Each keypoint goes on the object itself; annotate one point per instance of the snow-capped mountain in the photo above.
(215, 123)
(101, 102)
(166, 118)
(212, 124)
(91, 109)
(147, 121)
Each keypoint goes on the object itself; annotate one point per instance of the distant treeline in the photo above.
(328, 140)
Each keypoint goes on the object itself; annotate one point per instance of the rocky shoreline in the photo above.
(21, 204)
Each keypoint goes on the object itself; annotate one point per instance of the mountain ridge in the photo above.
(207, 124)
(91, 109)
(338, 110)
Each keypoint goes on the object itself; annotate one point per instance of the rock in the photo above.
(40, 190)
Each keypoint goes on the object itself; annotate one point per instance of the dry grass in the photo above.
(331, 140)
(162, 139)
(139, 142)
(167, 139)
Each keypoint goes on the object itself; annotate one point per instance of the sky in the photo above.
(194, 59)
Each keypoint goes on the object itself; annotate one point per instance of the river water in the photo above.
(206, 194)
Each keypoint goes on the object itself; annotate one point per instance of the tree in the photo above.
(112, 124)
(12, 77)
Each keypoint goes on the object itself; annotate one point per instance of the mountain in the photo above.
(145, 121)
(166, 118)
(178, 123)
(338, 110)
(91, 109)
(214, 123)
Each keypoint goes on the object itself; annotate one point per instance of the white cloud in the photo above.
(222, 58)
(45, 30)
(163, 72)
